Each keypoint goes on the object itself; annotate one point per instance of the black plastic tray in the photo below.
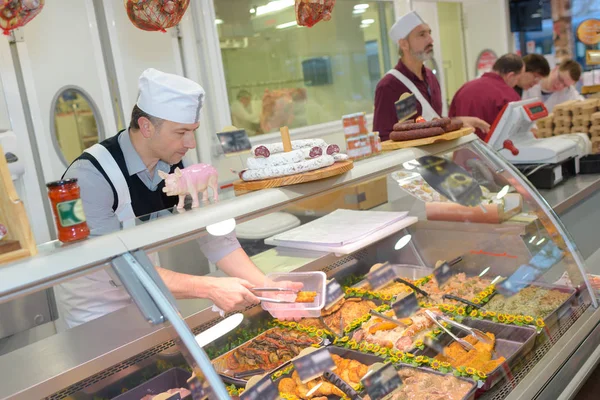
(367, 359)
(171, 379)
(218, 362)
(589, 164)
(512, 342)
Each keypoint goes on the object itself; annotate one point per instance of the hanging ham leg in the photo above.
(309, 12)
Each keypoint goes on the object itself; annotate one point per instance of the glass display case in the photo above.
(459, 229)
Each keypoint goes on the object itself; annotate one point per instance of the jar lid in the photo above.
(61, 182)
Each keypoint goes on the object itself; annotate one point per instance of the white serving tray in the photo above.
(351, 247)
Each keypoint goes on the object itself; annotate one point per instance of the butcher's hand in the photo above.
(230, 293)
(476, 123)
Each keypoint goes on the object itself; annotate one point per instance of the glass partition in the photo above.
(280, 74)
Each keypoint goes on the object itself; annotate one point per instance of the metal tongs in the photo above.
(466, 345)
(271, 289)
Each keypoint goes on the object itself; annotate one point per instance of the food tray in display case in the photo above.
(565, 301)
(354, 371)
(405, 271)
(512, 342)
(262, 354)
(421, 379)
(341, 315)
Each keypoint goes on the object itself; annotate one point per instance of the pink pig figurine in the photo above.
(193, 179)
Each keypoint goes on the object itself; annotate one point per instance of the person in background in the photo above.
(557, 87)
(410, 75)
(536, 68)
(486, 96)
(242, 114)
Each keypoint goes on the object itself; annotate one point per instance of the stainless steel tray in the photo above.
(469, 396)
(551, 319)
(512, 342)
(220, 363)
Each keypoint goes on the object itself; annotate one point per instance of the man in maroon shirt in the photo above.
(410, 75)
(485, 97)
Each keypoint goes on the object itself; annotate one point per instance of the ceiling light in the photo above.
(358, 11)
(286, 25)
(253, 11)
(367, 21)
(496, 279)
(365, 26)
(361, 6)
(218, 21)
(542, 240)
(532, 239)
(402, 242)
(272, 6)
(485, 271)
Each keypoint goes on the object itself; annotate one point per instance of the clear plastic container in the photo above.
(312, 282)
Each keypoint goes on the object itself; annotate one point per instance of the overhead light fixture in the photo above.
(222, 228)
(358, 11)
(367, 21)
(402, 242)
(361, 6)
(364, 26)
(219, 330)
(253, 11)
(542, 240)
(406, 165)
(532, 239)
(496, 279)
(218, 21)
(287, 25)
(485, 271)
(272, 6)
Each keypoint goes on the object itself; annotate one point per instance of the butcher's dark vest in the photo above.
(143, 200)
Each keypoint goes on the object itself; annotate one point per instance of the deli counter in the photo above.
(508, 253)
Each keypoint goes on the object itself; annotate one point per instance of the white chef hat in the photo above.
(405, 25)
(170, 97)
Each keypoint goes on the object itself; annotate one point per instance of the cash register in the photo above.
(545, 161)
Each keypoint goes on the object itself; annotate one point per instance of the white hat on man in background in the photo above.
(405, 25)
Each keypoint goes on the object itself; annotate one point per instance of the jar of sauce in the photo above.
(68, 210)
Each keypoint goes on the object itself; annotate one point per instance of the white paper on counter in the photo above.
(340, 227)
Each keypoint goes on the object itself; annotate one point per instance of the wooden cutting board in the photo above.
(390, 145)
(241, 187)
(14, 217)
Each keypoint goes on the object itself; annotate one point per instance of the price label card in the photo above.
(313, 365)
(406, 107)
(382, 382)
(381, 277)
(333, 293)
(234, 142)
(442, 274)
(406, 306)
(450, 180)
(264, 389)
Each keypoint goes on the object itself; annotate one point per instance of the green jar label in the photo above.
(70, 213)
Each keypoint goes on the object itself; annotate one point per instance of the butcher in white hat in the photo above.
(415, 43)
(119, 180)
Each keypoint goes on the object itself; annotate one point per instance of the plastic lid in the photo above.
(61, 182)
(266, 226)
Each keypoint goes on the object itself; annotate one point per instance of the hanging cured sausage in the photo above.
(156, 15)
(16, 13)
(309, 12)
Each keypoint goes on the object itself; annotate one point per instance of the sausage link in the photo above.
(415, 134)
(410, 126)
